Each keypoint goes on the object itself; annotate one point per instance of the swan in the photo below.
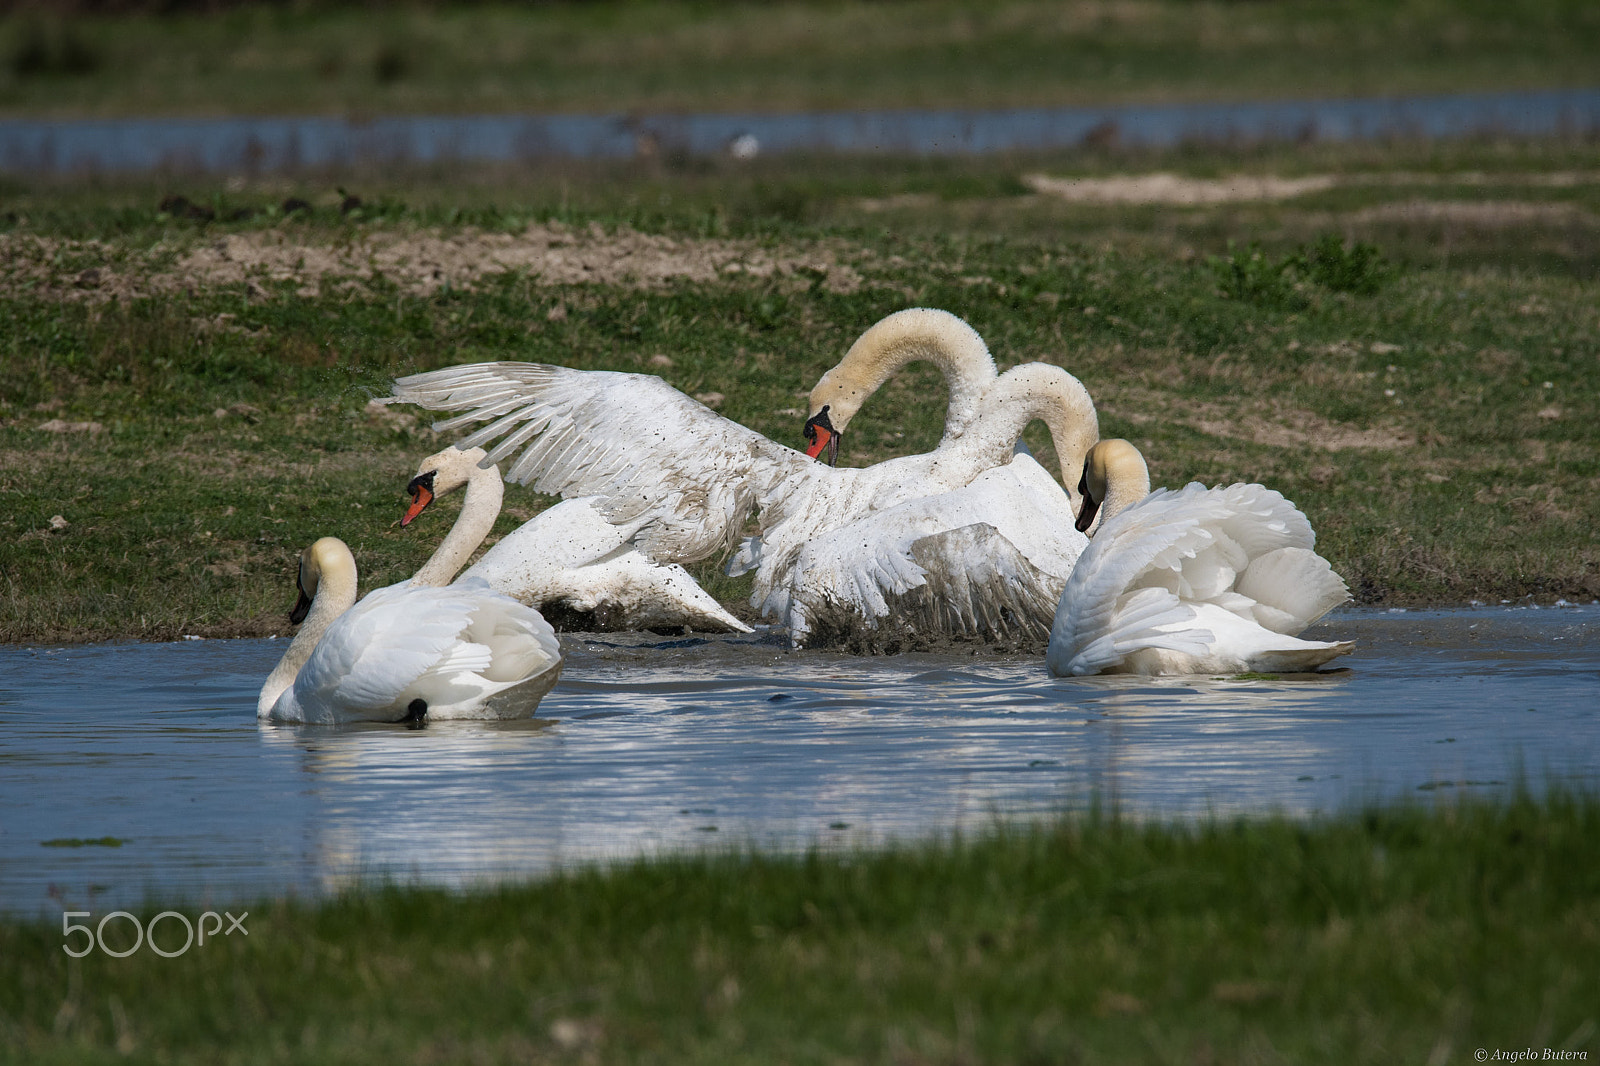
(988, 559)
(405, 651)
(567, 555)
(1201, 580)
(685, 479)
(895, 341)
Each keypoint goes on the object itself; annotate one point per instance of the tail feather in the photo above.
(1295, 585)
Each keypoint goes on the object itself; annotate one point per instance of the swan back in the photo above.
(463, 650)
(1196, 580)
(987, 560)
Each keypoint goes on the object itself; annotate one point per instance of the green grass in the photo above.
(1410, 935)
(1396, 390)
(621, 56)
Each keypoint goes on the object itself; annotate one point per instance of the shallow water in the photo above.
(652, 745)
(257, 144)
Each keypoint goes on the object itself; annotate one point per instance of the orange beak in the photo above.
(421, 492)
(820, 435)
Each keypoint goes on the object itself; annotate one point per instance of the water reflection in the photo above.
(658, 746)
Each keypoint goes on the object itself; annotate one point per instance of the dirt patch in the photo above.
(1278, 425)
(1176, 189)
(66, 270)
(1489, 214)
(1163, 188)
(418, 262)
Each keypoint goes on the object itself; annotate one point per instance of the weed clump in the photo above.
(1359, 269)
(52, 50)
(1252, 276)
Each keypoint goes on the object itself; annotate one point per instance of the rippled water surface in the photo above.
(650, 745)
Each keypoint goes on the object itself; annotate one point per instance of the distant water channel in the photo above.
(653, 745)
(245, 144)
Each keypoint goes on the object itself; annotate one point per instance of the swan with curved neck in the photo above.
(326, 580)
(685, 479)
(1115, 477)
(808, 549)
(405, 652)
(1199, 580)
(567, 555)
(905, 337)
(988, 560)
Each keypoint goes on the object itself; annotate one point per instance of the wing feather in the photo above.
(1194, 572)
(1157, 533)
(378, 648)
(646, 448)
(987, 560)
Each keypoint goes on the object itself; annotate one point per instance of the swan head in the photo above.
(821, 435)
(1113, 467)
(326, 555)
(440, 474)
(840, 393)
(891, 343)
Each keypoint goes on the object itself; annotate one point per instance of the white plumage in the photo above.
(683, 475)
(1197, 580)
(686, 480)
(566, 556)
(986, 561)
(462, 651)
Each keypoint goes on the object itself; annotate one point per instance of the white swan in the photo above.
(566, 556)
(405, 651)
(897, 340)
(987, 560)
(1194, 581)
(686, 479)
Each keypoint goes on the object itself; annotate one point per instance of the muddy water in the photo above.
(650, 745)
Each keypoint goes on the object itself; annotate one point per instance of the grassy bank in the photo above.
(1408, 935)
(618, 56)
(187, 394)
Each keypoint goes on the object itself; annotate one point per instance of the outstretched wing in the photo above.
(685, 476)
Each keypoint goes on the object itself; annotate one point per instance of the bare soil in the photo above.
(418, 262)
(1175, 189)
(1279, 425)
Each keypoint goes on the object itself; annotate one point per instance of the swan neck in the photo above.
(479, 509)
(1127, 482)
(1046, 392)
(336, 594)
(900, 339)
